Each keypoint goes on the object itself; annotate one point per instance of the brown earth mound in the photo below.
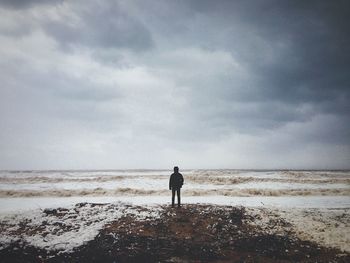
(192, 233)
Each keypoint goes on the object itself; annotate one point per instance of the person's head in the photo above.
(176, 169)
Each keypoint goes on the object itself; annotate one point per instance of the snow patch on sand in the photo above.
(327, 227)
(65, 229)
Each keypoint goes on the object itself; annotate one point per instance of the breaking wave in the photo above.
(154, 183)
(221, 180)
(44, 179)
(193, 178)
(190, 192)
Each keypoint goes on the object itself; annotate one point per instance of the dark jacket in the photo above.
(176, 181)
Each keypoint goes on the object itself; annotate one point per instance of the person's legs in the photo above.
(178, 197)
(173, 197)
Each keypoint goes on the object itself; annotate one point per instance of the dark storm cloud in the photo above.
(296, 53)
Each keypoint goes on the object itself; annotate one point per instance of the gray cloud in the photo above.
(226, 84)
(295, 54)
(22, 4)
(103, 24)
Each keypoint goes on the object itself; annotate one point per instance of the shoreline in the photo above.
(21, 204)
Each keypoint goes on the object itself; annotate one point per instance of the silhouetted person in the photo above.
(175, 183)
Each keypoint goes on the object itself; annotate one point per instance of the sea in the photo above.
(23, 190)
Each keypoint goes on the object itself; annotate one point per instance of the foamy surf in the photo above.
(192, 192)
(202, 185)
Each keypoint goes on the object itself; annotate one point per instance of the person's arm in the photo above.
(182, 180)
(170, 181)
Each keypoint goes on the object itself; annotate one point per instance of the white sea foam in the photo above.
(66, 229)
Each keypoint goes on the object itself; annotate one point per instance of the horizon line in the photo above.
(166, 169)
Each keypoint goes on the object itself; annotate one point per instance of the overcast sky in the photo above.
(153, 84)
